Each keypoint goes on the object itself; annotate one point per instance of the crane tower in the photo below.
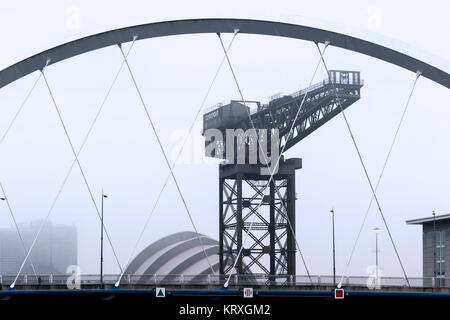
(251, 210)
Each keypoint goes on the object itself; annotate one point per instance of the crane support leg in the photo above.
(270, 246)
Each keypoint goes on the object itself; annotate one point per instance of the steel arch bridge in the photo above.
(220, 25)
(244, 26)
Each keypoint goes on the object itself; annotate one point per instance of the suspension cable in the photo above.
(271, 173)
(299, 108)
(165, 156)
(381, 175)
(8, 204)
(85, 139)
(175, 162)
(16, 115)
(364, 168)
(79, 166)
(2, 139)
(75, 161)
(75, 154)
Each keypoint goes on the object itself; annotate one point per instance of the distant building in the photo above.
(436, 247)
(55, 249)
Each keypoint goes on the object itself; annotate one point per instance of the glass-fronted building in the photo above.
(436, 249)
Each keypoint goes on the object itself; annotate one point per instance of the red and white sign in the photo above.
(248, 292)
(339, 293)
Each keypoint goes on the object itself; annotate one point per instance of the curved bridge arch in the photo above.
(195, 26)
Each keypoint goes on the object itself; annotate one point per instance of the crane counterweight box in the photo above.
(225, 116)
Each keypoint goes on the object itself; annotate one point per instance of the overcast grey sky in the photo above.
(123, 158)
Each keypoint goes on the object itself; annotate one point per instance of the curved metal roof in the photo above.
(179, 253)
(221, 25)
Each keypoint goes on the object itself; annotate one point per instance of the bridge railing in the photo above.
(214, 280)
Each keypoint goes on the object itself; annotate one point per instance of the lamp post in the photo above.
(101, 244)
(434, 247)
(377, 232)
(334, 248)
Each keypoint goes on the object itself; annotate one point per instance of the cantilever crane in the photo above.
(242, 187)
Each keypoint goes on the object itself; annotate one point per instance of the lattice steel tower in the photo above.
(249, 211)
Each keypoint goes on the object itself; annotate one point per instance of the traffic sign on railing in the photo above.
(160, 292)
(248, 292)
(339, 293)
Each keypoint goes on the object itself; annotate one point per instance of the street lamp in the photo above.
(377, 232)
(434, 246)
(101, 244)
(334, 248)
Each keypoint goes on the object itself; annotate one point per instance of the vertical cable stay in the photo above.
(19, 110)
(74, 162)
(381, 174)
(165, 156)
(277, 163)
(365, 170)
(175, 162)
(8, 204)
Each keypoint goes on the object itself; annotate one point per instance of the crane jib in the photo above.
(319, 106)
